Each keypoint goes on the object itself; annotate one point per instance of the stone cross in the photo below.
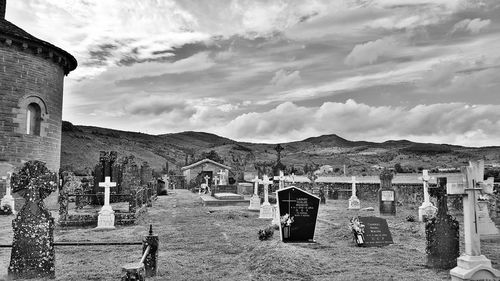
(222, 177)
(293, 178)
(281, 179)
(206, 179)
(8, 199)
(427, 209)
(473, 261)
(353, 186)
(256, 185)
(107, 184)
(215, 180)
(266, 182)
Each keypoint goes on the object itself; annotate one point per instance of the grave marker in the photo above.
(8, 199)
(472, 265)
(386, 194)
(106, 218)
(376, 232)
(222, 177)
(266, 210)
(32, 254)
(427, 210)
(281, 179)
(255, 200)
(354, 203)
(298, 211)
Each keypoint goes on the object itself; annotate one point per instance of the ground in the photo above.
(221, 243)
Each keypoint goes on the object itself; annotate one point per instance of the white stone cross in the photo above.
(256, 185)
(353, 186)
(293, 178)
(266, 182)
(107, 184)
(206, 179)
(215, 180)
(425, 178)
(222, 177)
(281, 178)
(473, 261)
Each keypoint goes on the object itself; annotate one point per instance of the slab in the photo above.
(376, 232)
(228, 196)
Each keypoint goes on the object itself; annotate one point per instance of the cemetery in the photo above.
(124, 220)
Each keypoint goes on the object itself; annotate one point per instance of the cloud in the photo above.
(283, 78)
(158, 105)
(370, 52)
(458, 123)
(473, 26)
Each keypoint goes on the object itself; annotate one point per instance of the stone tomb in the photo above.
(298, 211)
(32, 254)
(376, 232)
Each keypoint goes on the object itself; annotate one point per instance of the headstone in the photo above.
(7, 199)
(298, 211)
(354, 203)
(376, 232)
(32, 254)
(281, 178)
(106, 218)
(485, 226)
(472, 265)
(386, 194)
(266, 210)
(222, 177)
(255, 200)
(442, 232)
(427, 210)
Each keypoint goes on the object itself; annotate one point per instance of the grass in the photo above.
(221, 243)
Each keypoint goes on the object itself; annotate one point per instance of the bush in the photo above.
(5, 210)
(266, 233)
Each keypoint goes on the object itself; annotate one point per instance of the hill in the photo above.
(81, 146)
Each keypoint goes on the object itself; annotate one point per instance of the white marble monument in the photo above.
(255, 200)
(7, 198)
(427, 210)
(472, 265)
(106, 219)
(354, 203)
(266, 210)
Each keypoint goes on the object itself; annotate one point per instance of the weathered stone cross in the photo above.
(266, 182)
(256, 185)
(353, 187)
(427, 209)
(281, 178)
(222, 177)
(215, 180)
(206, 179)
(107, 184)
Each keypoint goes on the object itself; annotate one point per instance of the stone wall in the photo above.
(27, 77)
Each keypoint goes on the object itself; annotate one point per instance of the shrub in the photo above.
(410, 218)
(266, 233)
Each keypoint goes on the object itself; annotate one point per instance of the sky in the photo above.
(279, 71)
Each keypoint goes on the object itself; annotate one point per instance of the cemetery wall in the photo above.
(27, 78)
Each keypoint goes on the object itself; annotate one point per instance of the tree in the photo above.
(398, 168)
(212, 155)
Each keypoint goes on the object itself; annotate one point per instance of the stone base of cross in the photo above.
(254, 203)
(266, 210)
(472, 265)
(354, 203)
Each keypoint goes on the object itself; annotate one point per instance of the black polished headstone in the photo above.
(376, 232)
(298, 211)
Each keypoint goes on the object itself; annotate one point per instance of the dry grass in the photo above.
(221, 243)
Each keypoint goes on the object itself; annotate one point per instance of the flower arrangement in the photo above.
(286, 220)
(358, 229)
(266, 233)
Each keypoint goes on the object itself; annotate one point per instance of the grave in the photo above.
(298, 211)
(386, 194)
(354, 203)
(266, 210)
(472, 265)
(255, 200)
(106, 218)
(376, 232)
(8, 199)
(442, 232)
(228, 196)
(427, 210)
(32, 254)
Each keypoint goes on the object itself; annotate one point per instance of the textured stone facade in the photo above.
(31, 77)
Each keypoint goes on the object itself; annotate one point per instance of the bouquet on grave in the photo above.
(286, 220)
(358, 229)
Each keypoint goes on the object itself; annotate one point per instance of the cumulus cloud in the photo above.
(283, 78)
(158, 105)
(370, 52)
(456, 123)
(473, 26)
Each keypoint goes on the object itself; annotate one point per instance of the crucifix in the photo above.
(472, 261)
(289, 201)
(107, 184)
(278, 149)
(256, 185)
(293, 178)
(427, 209)
(281, 179)
(266, 182)
(215, 180)
(354, 201)
(255, 199)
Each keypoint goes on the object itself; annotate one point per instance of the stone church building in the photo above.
(31, 93)
(206, 167)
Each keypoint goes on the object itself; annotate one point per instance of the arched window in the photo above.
(33, 119)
